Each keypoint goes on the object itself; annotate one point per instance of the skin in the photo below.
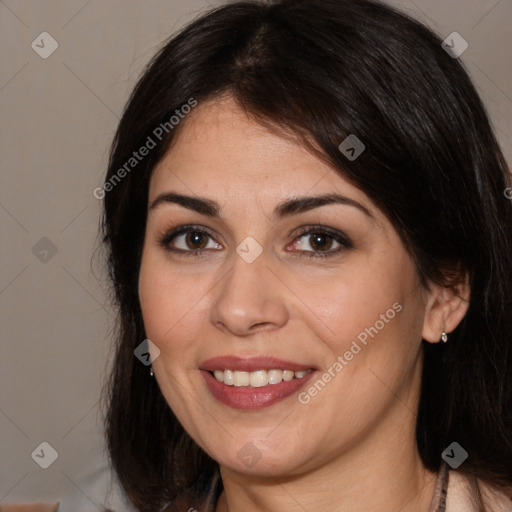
(352, 447)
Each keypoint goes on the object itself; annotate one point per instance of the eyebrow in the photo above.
(291, 206)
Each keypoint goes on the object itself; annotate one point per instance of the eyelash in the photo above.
(341, 238)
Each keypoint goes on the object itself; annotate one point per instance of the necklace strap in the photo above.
(438, 503)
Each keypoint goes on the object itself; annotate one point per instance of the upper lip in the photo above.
(251, 364)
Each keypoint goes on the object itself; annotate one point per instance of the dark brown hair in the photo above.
(325, 69)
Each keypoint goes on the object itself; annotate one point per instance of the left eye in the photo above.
(319, 241)
(322, 242)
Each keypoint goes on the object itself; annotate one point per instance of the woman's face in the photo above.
(265, 286)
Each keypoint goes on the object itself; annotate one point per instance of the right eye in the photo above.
(188, 240)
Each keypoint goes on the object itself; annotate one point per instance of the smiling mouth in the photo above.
(251, 383)
(258, 378)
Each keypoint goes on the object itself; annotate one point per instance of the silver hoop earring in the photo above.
(444, 337)
(151, 371)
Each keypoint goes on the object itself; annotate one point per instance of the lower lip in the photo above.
(245, 397)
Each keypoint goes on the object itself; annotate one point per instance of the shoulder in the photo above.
(497, 501)
(463, 495)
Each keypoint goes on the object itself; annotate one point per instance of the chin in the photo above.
(250, 460)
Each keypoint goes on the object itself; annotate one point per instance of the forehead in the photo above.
(222, 152)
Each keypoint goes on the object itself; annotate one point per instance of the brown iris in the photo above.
(321, 241)
(196, 237)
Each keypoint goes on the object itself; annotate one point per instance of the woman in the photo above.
(309, 240)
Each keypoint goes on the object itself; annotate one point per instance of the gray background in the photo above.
(58, 118)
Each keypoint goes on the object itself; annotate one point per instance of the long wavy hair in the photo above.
(322, 70)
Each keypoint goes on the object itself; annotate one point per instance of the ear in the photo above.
(444, 310)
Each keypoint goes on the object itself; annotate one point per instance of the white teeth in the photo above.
(275, 376)
(228, 377)
(288, 375)
(256, 379)
(241, 379)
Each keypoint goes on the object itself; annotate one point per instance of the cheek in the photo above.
(362, 302)
(170, 304)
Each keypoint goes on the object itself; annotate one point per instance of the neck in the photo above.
(334, 489)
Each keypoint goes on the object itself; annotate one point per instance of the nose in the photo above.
(249, 298)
